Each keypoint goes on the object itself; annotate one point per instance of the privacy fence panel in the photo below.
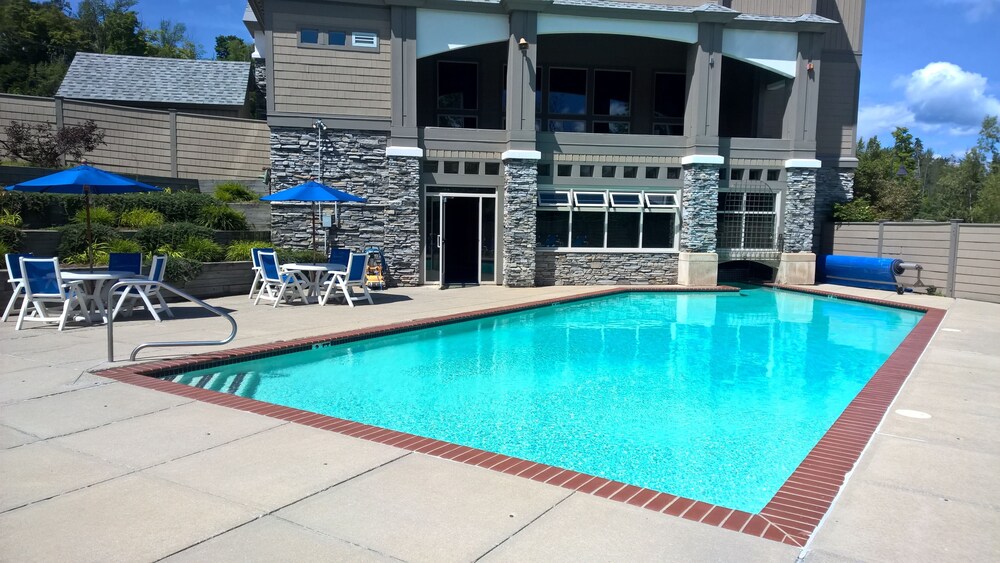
(962, 260)
(155, 142)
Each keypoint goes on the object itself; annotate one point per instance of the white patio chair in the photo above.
(278, 284)
(145, 293)
(51, 300)
(257, 276)
(16, 279)
(344, 281)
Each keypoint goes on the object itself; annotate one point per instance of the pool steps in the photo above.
(243, 383)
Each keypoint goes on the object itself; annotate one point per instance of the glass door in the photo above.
(433, 240)
(459, 246)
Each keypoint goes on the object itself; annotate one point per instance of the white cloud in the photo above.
(976, 10)
(943, 94)
(883, 118)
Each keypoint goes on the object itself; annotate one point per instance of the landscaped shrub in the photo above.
(175, 206)
(11, 219)
(73, 238)
(201, 249)
(222, 218)
(139, 218)
(234, 191)
(10, 237)
(299, 255)
(239, 250)
(98, 216)
(152, 239)
(4, 249)
(181, 270)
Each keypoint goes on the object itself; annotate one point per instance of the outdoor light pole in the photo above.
(320, 127)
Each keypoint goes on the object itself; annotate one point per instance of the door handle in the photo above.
(440, 241)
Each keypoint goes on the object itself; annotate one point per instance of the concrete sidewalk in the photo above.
(92, 469)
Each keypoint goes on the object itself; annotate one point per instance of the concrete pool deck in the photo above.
(95, 469)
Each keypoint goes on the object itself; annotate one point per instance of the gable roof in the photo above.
(150, 79)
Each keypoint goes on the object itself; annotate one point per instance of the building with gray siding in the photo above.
(537, 142)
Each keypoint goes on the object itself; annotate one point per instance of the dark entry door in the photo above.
(461, 240)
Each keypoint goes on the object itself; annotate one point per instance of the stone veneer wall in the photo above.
(519, 223)
(800, 203)
(833, 185)
(260, 74)
(354, 161)
(600, 268)
(699, 207)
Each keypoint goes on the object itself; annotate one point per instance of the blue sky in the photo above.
(930, 65)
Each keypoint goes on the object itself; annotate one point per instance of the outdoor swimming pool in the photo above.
(712, 396)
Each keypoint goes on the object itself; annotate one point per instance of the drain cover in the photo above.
(912, 414)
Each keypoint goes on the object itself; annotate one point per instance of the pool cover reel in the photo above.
(863, 271)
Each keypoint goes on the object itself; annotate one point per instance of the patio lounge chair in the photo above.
(278, 284)
(50, 298)
(255, 261)
(15, 279)
(145, 293)
(344, 281)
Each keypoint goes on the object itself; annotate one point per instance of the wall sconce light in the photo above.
(522, 44)
(810, 67)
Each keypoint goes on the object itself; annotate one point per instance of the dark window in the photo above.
(492, 168)
(658, 230)
(568, 91)
(773, 175)
(553, 198)
(755, 174)
(608, 171)
(458, 86)
(430, 166)
(630, 171)
(568, 125)
(336, 38)
(586, 171)
(736, 174)
(472, 168)
(451, 167)
(459, 121)
(668, 103)
(564, 170)
(588, 230)
(612, 92)
(623, 230)
(652, 172)
(552, 228)
(310, 36)
(673, 173)
(613, 127)
(545, 170)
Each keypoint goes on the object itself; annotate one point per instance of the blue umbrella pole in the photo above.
(90, 235)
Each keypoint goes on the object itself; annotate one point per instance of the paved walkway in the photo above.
(92, 469)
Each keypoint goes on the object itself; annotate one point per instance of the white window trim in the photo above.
(603, 194)
(652, 205)
(636, 205)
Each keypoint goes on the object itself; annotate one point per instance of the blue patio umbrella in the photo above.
(313, 192)
(84, 179)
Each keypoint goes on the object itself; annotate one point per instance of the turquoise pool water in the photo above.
(715, 397)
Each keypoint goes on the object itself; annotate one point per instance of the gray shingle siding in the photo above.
(155, 80)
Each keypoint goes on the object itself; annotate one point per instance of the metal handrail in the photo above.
(141, 282)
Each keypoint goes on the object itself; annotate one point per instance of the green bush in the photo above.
(4, 249)
(239, 250)
(11, 219)
(98, 216)
(139, 218)
(856, 211)
(124, 245)
(151, 239)
(73, 238)
(234, 191)
(286, 255)
(175, 206)
(201, 249)
(181, 270)
(10, 237)
(222, 218)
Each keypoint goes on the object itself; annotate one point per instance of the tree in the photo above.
(170, 40)
(988, 143)
(987, 208)
(37, 42)
(112, 27)
(39, 146)
(232, 48)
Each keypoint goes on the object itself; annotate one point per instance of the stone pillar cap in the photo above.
(703, 159)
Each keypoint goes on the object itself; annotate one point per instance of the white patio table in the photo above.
(93, 284)
(315, 272)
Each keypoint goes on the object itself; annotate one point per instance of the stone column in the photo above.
(833, 185)
(520, 194)
(798, 262)
(698, 264)
(402, 219)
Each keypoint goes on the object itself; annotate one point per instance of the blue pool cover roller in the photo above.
(862, 271)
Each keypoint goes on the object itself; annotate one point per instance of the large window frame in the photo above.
(338, 39)
(663, 122)
(590, 219)
(464, 117)
(587, 118)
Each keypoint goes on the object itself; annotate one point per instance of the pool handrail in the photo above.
(163, 285)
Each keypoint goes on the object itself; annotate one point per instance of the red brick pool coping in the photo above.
(790, 517)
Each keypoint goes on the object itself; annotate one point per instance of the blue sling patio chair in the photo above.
(51, 300)
(344, 281)
(15, 279)
(257, 276)
(125, 262)
(144, 293)
(279, 284)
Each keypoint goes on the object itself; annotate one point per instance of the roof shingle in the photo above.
(150, 79)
